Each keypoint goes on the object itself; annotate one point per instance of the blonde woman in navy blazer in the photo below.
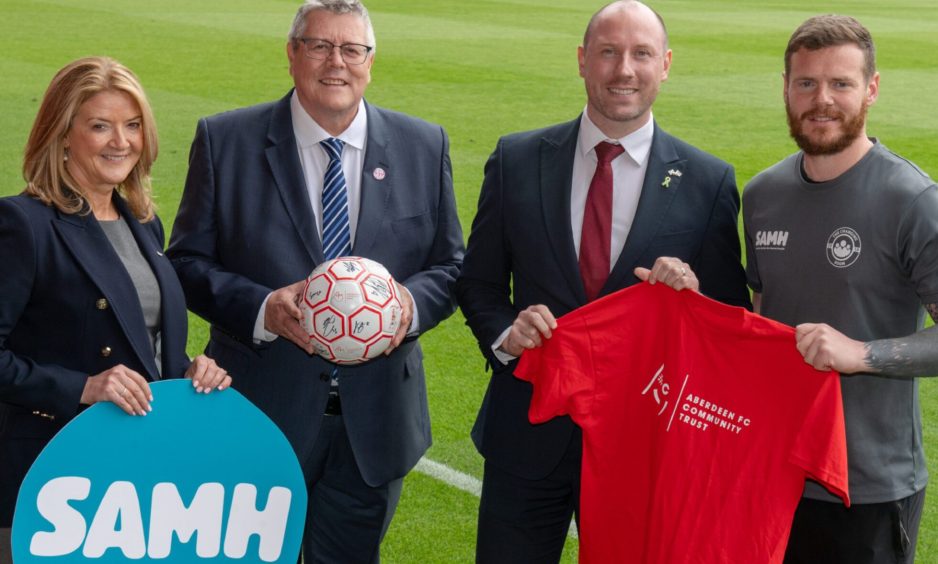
(72, 322)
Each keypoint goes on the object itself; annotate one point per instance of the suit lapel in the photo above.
(556, 178)
(284, 160)
(653, 204)
(93, 251)
(377, 182)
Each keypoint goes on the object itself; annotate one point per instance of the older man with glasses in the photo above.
(250, 229)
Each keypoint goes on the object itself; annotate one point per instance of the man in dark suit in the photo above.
(538, 250)
(250, 229)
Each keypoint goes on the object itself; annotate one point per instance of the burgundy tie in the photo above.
(596, 236)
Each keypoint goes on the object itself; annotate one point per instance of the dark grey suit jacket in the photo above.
(245, 228)
(521, 253)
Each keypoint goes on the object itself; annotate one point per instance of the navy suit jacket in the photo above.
(521, 253)
(246, 227)
(69, 310)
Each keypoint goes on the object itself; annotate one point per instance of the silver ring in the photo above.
(123, 391)
(683, 271)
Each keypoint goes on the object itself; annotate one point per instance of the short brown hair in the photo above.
(832, 30)
(47, 178)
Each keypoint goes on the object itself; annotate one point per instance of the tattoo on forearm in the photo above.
(907, 357)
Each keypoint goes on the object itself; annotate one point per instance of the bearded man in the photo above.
(841, 242)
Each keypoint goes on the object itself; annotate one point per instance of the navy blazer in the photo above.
(246, 227)
(69, 310)
(521, 253)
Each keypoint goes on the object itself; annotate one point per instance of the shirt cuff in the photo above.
(262, 335)
(501, 355)
(415, 319)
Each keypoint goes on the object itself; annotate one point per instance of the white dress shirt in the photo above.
(628, 175)
(314, 159)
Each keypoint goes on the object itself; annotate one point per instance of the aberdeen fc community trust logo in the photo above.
(690, 408)
(843, 247)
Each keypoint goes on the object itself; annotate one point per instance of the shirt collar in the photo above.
(309, 133)
(637, 144)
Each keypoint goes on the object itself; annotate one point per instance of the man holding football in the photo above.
(274, 190)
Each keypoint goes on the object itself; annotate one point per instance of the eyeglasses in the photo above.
(320, 49)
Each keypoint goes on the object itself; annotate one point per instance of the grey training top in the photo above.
(148, 289)
(859, 253)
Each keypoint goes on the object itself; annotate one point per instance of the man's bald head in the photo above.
(620, 6)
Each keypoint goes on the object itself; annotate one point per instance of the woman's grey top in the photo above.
(148, 289)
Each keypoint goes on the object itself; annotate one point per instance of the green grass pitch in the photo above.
(481, 68)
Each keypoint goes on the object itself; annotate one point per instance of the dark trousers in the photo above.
(524, 520)
(6, 551)
(871, 533)
(346, 518)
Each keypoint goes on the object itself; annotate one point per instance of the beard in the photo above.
(852, 128)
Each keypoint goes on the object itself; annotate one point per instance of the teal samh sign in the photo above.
(201, 478)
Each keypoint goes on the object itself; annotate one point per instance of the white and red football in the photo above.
(351, 309)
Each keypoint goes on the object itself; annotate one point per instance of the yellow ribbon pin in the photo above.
(667, 181)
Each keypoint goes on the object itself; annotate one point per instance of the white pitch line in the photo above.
(462, 481)
(450, 476)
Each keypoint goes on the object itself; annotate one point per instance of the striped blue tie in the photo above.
(336, 237)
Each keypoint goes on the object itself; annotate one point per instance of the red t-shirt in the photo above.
(700, 424)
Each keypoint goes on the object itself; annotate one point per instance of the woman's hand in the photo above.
(206, 375)
(122, 386)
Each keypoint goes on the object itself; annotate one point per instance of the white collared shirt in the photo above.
(314, 160)
(628, 175)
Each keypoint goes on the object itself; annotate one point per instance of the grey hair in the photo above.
(335, 7)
